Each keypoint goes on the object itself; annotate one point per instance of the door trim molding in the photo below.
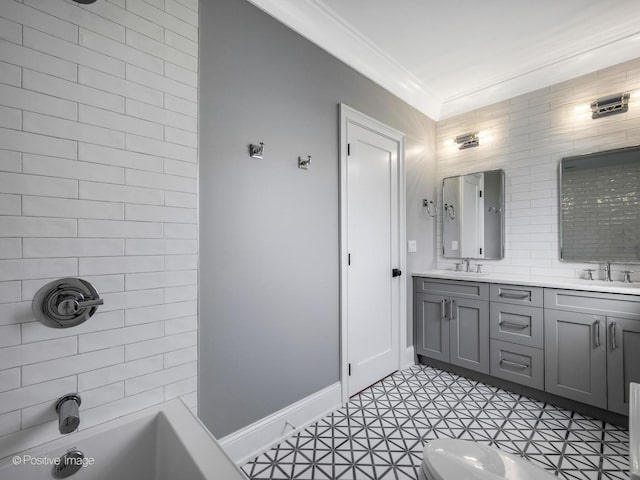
(350, 115)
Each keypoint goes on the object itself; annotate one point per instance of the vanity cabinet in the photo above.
(592, 346)
(579, 345)
(452, 322)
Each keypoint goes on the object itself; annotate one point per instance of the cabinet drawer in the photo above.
(462, 289)
(517, 363)
(517, 324)
(517, 294)
(607, 304)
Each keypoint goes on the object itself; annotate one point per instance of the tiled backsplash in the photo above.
(98, 179)
(527, 136)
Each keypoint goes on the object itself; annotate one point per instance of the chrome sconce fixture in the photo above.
(610, 105)
(467, 140)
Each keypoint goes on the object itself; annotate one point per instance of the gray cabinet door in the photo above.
(432, 326)
(469, 321)
(623, 359)
(575, 356)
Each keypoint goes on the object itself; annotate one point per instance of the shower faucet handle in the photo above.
(71, 305)
(65, 303)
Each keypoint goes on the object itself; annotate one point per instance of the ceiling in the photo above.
(447, 57)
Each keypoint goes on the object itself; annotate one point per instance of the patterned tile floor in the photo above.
(381, 432)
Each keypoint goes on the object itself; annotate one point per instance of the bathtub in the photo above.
(165, 442)
(634, 431)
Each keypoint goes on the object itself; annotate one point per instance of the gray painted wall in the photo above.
(269, 308)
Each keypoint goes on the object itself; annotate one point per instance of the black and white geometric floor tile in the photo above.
(381, 432)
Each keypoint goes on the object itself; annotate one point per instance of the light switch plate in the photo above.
(413, 246)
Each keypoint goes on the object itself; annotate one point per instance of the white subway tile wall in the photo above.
(98, 178)
(527, 136)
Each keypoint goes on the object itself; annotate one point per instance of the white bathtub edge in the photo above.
(634, 431)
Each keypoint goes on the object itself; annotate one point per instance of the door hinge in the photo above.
(348, 149)
(349, 259)
(349, 369)
(480, 251)
(480, 193)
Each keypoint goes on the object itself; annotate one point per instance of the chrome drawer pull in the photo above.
(596, 324)
(452, 306)
(513, 296)
(521, 366)
(443, 309)
(614, 344)
(515, 325)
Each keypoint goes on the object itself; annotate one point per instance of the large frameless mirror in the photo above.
(600, 207)
(473, 215)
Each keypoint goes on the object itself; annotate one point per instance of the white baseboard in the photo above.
(409, 358)
(254, 439)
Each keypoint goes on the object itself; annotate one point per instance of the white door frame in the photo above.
(349, 115)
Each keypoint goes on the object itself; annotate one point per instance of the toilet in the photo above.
(450, 459)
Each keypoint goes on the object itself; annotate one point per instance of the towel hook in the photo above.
(304, 164)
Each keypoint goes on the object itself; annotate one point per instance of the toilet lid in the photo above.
(447, 459)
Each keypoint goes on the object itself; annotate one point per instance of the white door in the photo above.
(373, 239)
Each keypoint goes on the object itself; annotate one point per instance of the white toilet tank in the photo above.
(634, 431)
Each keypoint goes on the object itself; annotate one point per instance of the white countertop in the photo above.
(549, 282)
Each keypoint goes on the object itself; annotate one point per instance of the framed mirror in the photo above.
(473, 215)
(600, 207)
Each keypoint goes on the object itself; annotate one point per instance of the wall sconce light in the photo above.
(610, 105)
(467, 140)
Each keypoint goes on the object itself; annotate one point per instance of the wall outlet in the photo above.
(412, 246)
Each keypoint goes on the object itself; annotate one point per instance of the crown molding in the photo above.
(613, 53)
(320, 25)
(315, 21)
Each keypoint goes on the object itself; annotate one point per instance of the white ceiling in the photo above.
(447, 57)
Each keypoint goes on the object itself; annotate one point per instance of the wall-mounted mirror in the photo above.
(473, 215)
(600, 207)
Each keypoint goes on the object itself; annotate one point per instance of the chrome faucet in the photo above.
(68, 412)
(467, 263)
(607, 272)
